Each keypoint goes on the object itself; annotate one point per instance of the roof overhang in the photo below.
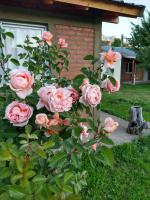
(112, 6)
(105, 10)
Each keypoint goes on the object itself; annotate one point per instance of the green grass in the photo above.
(120, 102)
(128, 179)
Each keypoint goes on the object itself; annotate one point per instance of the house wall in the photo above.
(139, 75)
(81, 43)
(83, 34)
(128, 77)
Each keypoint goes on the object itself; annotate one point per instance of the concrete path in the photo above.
(120, 136)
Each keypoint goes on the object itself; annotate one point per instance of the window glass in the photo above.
(20, 32)
(129, 67)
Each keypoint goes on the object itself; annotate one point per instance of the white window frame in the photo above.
(20, 24)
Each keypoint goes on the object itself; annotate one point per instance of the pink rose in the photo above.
(41, 120)
(94, 147)
(55, 99)
(44, 93)
(109, 87)
(110, 58)
(47, 37)
(18, 113)
(60, 100)
(62, 43)
(21, 82)
(110, 125)
(74, 94)
(85, 82)
(91, 95)
(55, 121)
(84, 135)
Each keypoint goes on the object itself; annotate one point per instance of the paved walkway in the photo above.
(120, 136)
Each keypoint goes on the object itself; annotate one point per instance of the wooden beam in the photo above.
(110, 19)
(82, 7)
(123, 9)
(48, 1)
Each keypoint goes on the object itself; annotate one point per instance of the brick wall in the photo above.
(81, 43)
(139, 75)
(125, 77)
(128, 77)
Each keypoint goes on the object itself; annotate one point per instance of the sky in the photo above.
(124, 26)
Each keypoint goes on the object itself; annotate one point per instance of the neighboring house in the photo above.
(129, 70)
(79, 22)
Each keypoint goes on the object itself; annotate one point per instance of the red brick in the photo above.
(81, 43)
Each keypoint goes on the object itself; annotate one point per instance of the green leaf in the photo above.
(76, 131)
(28, 48)
(5, 196)
(48, 144)
(74, 159)
(19, 163)
(15, 61)
(67, 188)
(30, 174)
(14, 151)
(9, 34)
(92, 160)
(5, 155)
(5, 172)
(57, 158)
(68, 177)
(112, 80)
(90, 143)
(85, 71)
(28, 129)
(41, 153)
(89, 57)
(77, 81)
(107, 155)
(33, 136)
(36, 38)
(39, 179)
(16, 192)
(106, 140)
(15, 178)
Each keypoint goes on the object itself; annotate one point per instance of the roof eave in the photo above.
(113, 7)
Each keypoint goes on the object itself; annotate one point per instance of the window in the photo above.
(20, 32)
(129, 67)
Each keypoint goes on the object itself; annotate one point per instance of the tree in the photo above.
(116, 42)
(140, 41)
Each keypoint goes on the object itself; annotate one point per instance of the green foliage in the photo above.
(116, 42)
(140, 41)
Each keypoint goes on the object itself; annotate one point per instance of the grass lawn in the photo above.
(119, 103)
(128, 179)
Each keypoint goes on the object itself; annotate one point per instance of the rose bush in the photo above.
(46, 121)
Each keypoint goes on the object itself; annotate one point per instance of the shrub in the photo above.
(44, 136)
